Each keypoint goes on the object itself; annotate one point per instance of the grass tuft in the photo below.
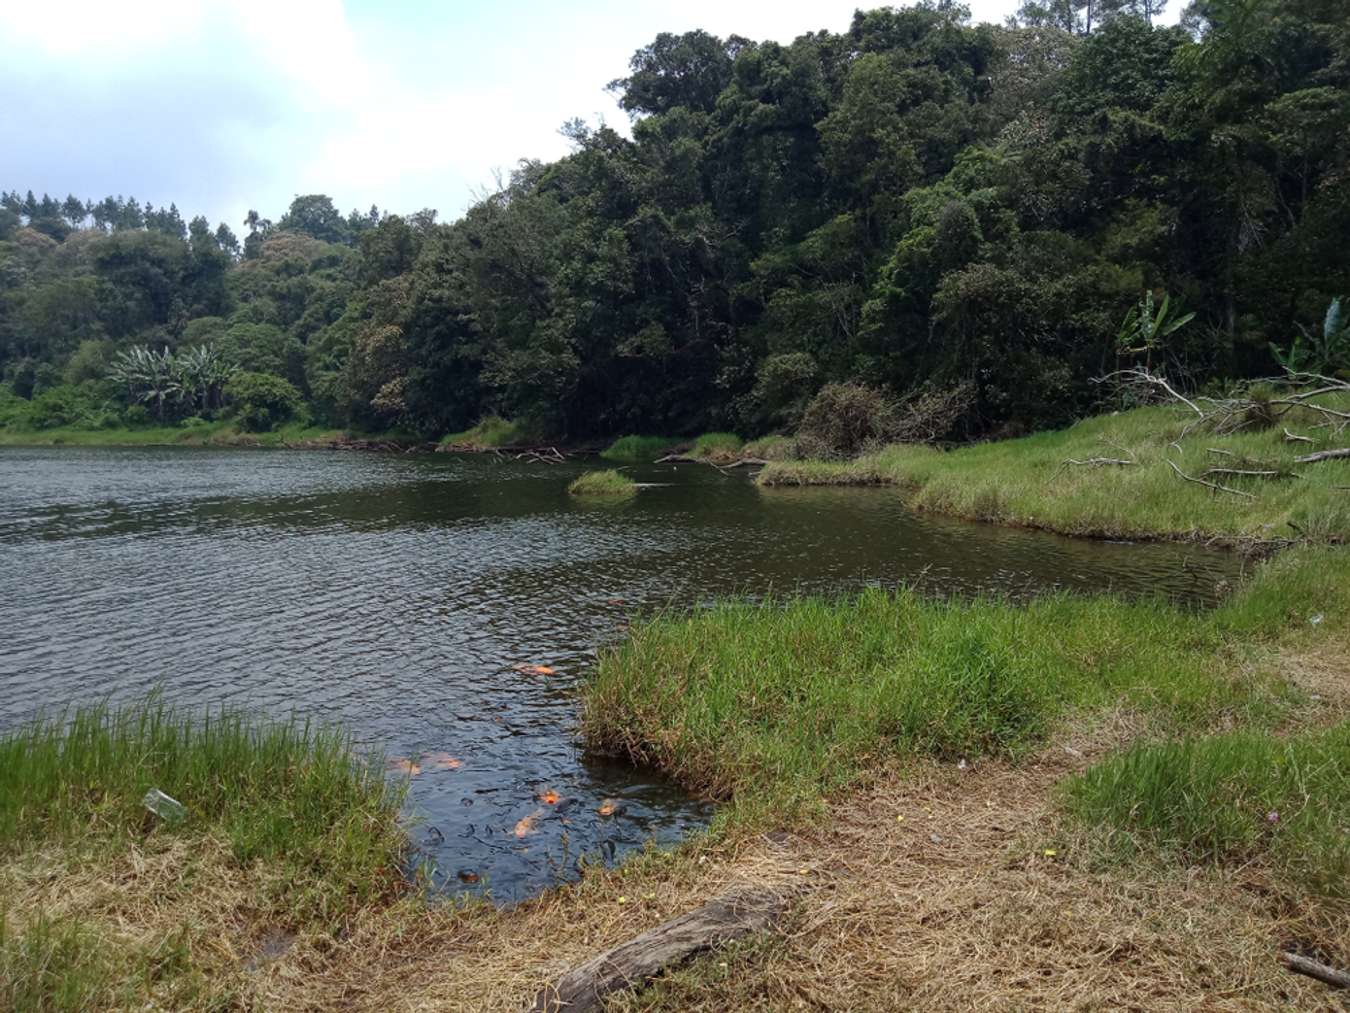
(609, 484)
(283, 792)
(638, 448)
(1240, 797)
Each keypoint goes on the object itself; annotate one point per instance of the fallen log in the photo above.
(1323, 455)
(1302, 965)
(637, 961)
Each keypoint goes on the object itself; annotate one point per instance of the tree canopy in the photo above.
(916, 203)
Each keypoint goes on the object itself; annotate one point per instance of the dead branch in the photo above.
(1295, 438)
(1302, 965)
(1211, 485)
(1246, 473)
(1221, 453)
(1323, 455)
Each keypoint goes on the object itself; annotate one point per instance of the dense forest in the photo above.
(917, 204)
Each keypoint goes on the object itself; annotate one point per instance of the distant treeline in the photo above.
(915, 204)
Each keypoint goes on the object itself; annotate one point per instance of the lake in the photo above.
(403, 596)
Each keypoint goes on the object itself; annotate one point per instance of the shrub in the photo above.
(262, 401)
(845, 420)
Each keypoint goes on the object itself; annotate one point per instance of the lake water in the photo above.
(396, 593)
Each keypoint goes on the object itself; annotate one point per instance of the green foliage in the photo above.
(1326, 350)
(1232, 798)
(1144, 331)
(917, 203)
(606, 484)
(638, 448)
(261, 401)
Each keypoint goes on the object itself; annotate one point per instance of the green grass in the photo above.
(638, 448)
(223, 434)
(774, 706)
(489, 433)
(1240, 797)
(283, 792)
(1026, 481)
(607, 484)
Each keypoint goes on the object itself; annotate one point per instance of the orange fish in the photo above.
(439, 760)
(525, 825)
(535, 669)
(404, 766)
(608, 807)
(549, 797)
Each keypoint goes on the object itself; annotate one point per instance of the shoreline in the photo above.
(1008, 774)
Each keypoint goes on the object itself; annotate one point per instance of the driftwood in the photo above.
(1311, 968)
(637, 961)
(1323, 455)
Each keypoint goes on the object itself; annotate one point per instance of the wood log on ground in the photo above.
(637, 961)
(1323, 455)
(1302, 965)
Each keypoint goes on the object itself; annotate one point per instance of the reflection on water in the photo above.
(408, 597)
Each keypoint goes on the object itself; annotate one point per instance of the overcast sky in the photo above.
(225, 106)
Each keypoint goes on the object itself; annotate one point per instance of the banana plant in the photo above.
(1144, 330)
(148, 375)
(203, 372)
(1324, 352)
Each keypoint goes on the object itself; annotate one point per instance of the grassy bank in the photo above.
(608, 484)
(773, 706)
(286, 831)
(210, 434)
(1030, 481)
(489, 434)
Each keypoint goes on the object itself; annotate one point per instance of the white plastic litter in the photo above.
(168, 809)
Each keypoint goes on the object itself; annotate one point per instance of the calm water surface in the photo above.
(395, 594)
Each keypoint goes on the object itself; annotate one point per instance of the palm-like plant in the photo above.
(1143, 330)
(149, 375)
(203, 371)
(1324, 352)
